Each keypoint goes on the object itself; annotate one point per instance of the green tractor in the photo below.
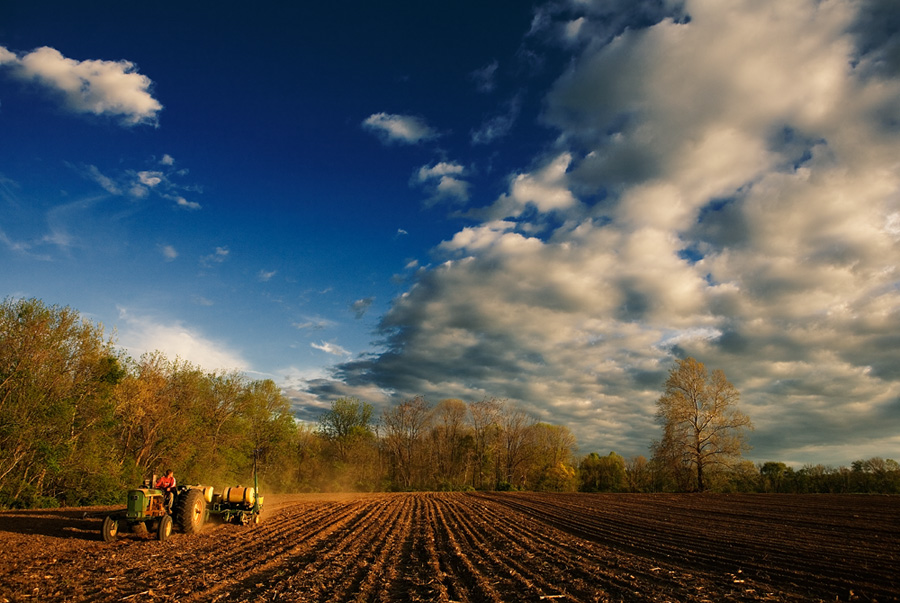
(191, 508)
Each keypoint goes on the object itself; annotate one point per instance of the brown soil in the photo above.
(475, 547)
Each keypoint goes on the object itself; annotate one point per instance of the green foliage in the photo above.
(602, 473)
(56, 376)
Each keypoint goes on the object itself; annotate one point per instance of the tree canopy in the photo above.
(702, 426)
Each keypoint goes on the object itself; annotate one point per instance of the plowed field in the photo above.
(475, 547)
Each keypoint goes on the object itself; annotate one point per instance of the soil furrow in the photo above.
(474, 548)
(717, 547)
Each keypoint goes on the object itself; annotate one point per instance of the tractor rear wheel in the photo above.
(110, 529)
(190, 511)
(165, 528)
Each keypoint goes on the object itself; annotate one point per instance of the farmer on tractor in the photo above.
(166, 483)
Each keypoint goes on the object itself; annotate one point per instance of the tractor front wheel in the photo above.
(165, 528)
(110, 529)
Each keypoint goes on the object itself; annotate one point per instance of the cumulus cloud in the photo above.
(406, 129)
(724, 184)
(150, 179)
(443, 182)
(546, 189)
(97, 87)
(139, 334)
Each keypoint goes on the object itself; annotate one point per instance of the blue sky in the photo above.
(543, 202)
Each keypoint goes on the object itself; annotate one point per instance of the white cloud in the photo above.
(150, 179)
(191, 205)
(7, 57)
(98, 87)
(106, 183)
(167, 160)
(169, 252)
(143, 184)
(546, 189)
(330, 348)
(405, 129)
(141, 334)
(724, 186)
(476, 238)
(443, 182)
(217, 257)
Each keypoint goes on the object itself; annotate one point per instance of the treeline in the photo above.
(452, 445)
(613, 473)
(80, 423)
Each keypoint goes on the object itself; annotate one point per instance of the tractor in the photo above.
(191, 508)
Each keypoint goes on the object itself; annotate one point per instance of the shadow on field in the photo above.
(60, 523)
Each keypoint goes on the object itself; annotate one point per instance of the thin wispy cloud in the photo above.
(169, 252)
(105, 182)
(405, 129)
(144, 184)
(140, 333)
(485, 77)
(216, 257)
(314, 324)
(498, 126)
(361, 306)
(330, 348)
(184, 203)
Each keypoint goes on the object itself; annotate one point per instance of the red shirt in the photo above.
(166, 481)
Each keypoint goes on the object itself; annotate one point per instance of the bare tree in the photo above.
(515, 432)
(485, 426)
(405, 427)
(701, 424)
(449, 438)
